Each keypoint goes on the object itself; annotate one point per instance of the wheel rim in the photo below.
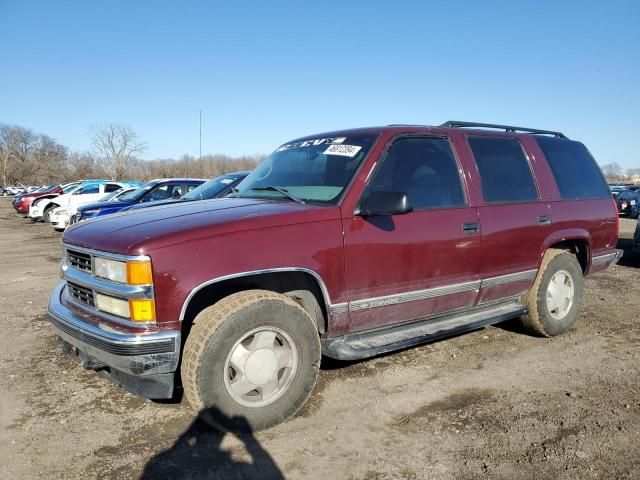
(560, 294)
(260, 367)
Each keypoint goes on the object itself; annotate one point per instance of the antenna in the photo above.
(200, 154)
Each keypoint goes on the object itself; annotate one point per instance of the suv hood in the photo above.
(137, 232)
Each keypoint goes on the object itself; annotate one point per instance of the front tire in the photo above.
(554, 299)
(46, 215)
(250, 361)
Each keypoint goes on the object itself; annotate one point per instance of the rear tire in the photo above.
(554, 299)
(254, 338)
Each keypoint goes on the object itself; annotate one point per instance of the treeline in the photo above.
(36, 159)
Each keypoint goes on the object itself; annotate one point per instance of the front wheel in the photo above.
(46, 215)
(554, 299)
(250, 361)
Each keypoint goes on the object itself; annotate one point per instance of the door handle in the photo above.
(471, 228)
(544, 220)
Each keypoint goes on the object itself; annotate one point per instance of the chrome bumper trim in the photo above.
(135, 354)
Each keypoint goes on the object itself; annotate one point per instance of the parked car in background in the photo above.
(39, 205)
(23, 201)
(217, 187)
(347, 244)
(61, 217)
(153, 191)
(16, 189)
(628, 202)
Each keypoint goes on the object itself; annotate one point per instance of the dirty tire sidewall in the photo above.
(539, 320)
(233, 317)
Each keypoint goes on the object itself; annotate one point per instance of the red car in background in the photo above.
(22, 202)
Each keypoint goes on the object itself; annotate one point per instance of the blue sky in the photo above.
(266, 72)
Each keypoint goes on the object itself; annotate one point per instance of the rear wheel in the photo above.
(555, 298)
(250, 361)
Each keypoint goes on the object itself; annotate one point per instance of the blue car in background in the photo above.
(153, 191)
(217, 187)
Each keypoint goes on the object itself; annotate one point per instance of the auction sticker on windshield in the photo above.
(342, 150)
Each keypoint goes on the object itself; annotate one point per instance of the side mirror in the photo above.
(386, 203)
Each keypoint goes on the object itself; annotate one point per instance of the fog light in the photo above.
(115, 306)
(142, 310)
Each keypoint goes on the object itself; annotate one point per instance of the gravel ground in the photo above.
(494, 404)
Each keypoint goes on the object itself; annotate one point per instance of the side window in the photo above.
(574, 169)
(190, 187)
(112, 187)
(88, 189)
(423, 168)
(504, 170)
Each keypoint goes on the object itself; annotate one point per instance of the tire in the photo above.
(208, 373)
(47, 213)
(543, 319)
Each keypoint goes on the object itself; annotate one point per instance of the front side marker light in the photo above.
(139, 273)
(142, 310)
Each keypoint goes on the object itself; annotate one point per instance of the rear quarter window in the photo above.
(576, 172)
(504, 170)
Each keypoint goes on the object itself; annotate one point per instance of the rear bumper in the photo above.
(141, 363)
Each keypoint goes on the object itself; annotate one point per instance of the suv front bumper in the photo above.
(142, 363)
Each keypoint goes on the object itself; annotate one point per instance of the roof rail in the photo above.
(506, 128)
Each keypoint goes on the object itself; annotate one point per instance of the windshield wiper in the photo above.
(283, 191)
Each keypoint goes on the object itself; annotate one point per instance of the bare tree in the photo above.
(613, 172)
(118, 146)
(16, 144)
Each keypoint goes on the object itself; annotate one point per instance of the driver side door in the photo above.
(406, 267)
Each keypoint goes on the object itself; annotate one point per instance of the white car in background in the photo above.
(60, 217)
(86, 192)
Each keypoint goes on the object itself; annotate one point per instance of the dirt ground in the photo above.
(494, 404)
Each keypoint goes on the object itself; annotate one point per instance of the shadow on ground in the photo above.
(198, 453)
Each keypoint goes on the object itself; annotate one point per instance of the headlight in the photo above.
(131, 273)
(110, 269)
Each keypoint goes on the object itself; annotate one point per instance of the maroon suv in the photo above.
(347, 244)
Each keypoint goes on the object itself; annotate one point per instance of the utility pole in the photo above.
(200, 154)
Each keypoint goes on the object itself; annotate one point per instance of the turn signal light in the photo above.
(142, 310)
(139, 273)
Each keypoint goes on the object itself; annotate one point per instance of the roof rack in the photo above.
(506, 128)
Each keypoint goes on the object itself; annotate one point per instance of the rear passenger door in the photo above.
(405, 267)
(515, 221)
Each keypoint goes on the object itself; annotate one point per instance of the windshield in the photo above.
(70, 188)
(314, 170)
(211, 188)
(110, 196)
(135, 194)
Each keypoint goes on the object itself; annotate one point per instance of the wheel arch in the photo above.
(303, 285)
(576, 241)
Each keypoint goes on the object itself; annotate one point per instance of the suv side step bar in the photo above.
(356, 346)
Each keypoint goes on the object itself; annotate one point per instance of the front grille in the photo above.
(81, 294)
(79, 260)
(74, 219)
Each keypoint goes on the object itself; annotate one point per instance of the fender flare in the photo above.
(567, 235)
